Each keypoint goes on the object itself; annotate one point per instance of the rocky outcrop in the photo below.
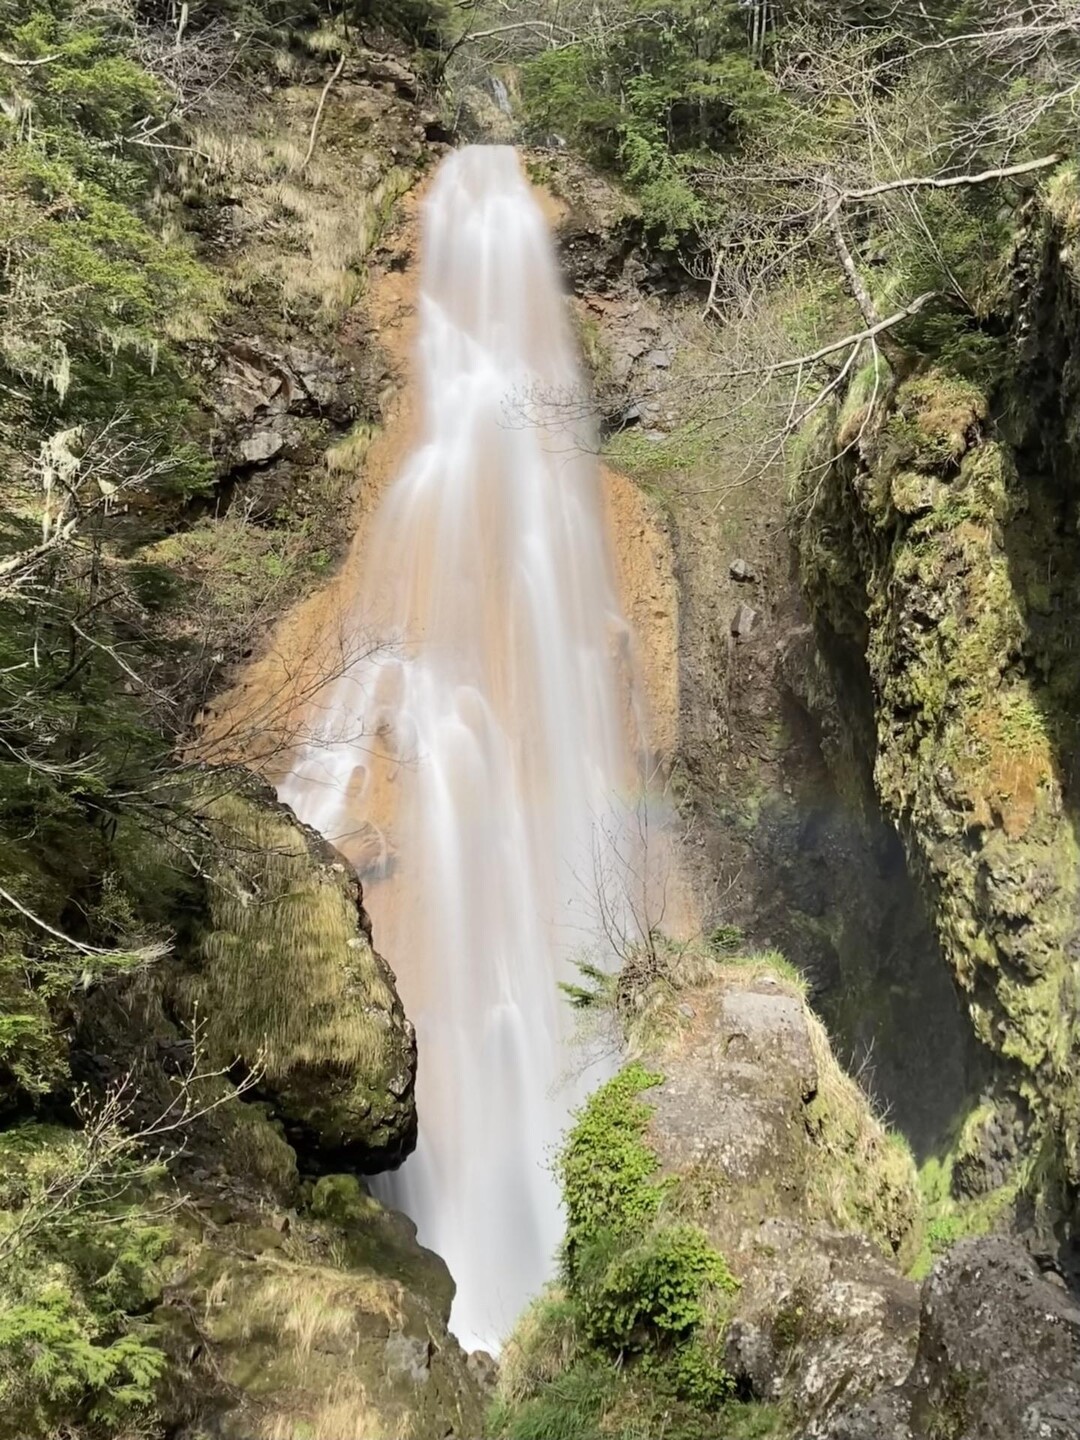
(326, 1320)
(293, 991)
(795, 1183)
(292, 378)
(998, 1357)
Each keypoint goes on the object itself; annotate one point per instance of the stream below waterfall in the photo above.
(491, 791)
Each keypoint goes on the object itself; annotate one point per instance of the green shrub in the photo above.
(691, 1373)
(606, 1168)
(83, 1246)
(52, 1366)
(651, 1293)
(632, 1340)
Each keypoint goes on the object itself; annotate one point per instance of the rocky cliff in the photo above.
(874, 759)
(202, 1053)
(934, 552)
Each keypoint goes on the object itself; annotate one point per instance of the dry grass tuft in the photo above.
(544, 1344)
(313, 1312)
(340, 231)
(308, 228)
(345, 1413)
(309, 1307)
(311, 1318)
(348, 455)
(869, 1180)
(646, 991)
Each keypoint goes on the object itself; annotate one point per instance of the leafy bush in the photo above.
(631, 1340)
(606, 1167)
(650, 1293)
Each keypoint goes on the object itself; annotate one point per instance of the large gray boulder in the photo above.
(998, 1357)
(796, 1183)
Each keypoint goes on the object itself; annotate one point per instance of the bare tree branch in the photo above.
(802, 361)
(144, 954)
(26, 64)
(947, 182)
(319, 113)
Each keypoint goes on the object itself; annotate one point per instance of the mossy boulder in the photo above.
(327, 1321)
(274, 1304)
(289, 984)
(814, 1205)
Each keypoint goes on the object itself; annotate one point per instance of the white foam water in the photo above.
(502, 757)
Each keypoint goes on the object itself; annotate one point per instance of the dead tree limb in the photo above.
(143, 953)
(26, 64)
(14, 568)
(860, 294)
(319, 112)
(947, 182)
(870, 333)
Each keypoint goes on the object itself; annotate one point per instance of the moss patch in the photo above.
(864, 1176)
(906, 550)
(284, 923)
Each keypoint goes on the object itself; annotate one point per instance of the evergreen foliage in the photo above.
(94, 405)
(72, 1276)
(650, 98)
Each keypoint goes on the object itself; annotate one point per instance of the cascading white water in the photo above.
(503, 754)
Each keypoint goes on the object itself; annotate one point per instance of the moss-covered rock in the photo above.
(327, 1322)
(813, 1203)
(736, 1221)
(929, 540)
(290, 986)
(136, 1301)
(227, 1296)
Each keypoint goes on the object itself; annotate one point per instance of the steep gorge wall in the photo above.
(937, 544)
(773, 770)
(876, 763)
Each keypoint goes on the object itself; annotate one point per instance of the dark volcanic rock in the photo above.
(998, 1357)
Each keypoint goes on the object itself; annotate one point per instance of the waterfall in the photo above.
(492, 793)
